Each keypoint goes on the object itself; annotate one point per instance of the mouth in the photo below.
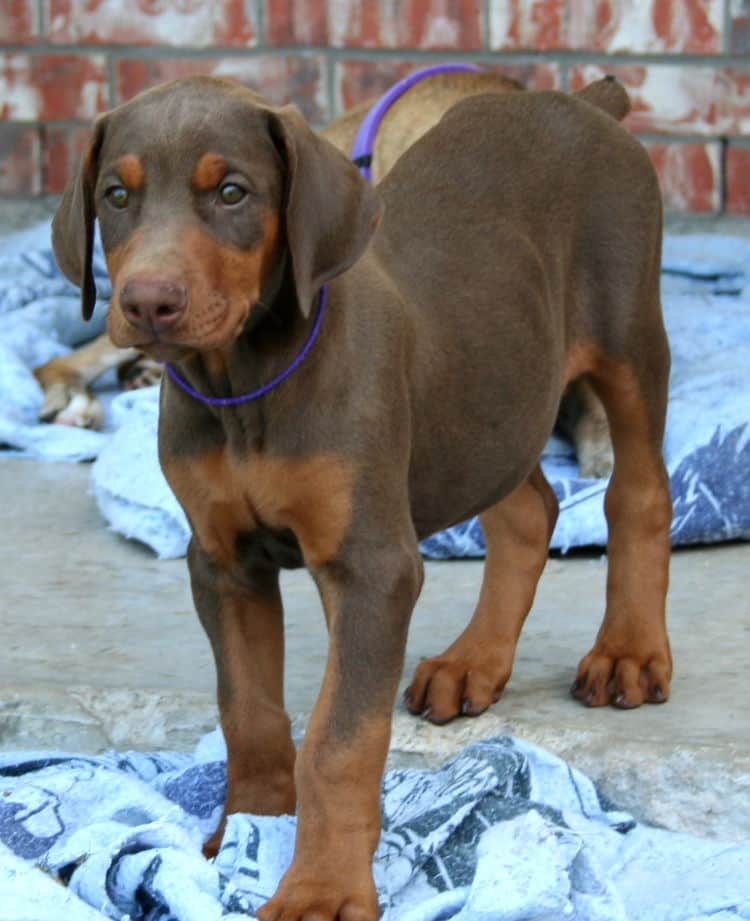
(163, 352)
(170, 346)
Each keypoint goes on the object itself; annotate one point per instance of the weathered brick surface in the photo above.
(63, 150)
(325, 55)
(611, 26)
(357, 81)
(19, 21)
(19, 160)
(52, 86)
(689, 175)
(298, 79)
(738, 180)
(740, 40)
(737, 100)
(538, 25)
(194, 23)
(680, 100)
(297, 22)
(455, 25)
(647, 26)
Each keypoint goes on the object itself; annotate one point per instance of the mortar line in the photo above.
(510, 56)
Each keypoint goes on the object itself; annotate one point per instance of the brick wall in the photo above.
(686, 64)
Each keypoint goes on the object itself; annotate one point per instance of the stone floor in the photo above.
(99, 647)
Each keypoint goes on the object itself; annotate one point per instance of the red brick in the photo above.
(19, 160)
(740, 23)
(63, 151)
(358, 81)
(535, 24)
(19, 22)
(738, 180)
(666, 98)
(297, 22)
(52, 86)
(185, 23)
(737, 101)
(297, 79)
(438, 24)
(688, 175)
(647, 26)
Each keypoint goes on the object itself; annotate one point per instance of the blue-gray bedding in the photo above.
(504, 831)
(706, 296)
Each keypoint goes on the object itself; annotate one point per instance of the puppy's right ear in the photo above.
(73, 224)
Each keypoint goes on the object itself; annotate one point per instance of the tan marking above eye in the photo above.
(209, 171)
(130, 170)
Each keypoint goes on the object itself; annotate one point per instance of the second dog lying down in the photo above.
(66, 381)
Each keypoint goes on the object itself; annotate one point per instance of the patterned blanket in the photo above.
(706, 296)
(504, 831)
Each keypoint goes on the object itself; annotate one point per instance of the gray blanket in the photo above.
(504, 831)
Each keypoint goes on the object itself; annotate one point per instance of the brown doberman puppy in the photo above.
(513, 248)
(66, 379)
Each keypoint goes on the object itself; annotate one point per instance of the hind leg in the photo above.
(631, 661)
(472, 672)
(591, 435)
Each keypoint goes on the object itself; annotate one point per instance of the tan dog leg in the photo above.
(245, 626)
(66, 380)
(368, 598)
(591, 434)
(472, 672)
(631, 661)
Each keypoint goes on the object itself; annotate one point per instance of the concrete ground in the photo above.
(100, 647)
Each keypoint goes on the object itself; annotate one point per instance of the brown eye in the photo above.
(231, 194)
(117, 196)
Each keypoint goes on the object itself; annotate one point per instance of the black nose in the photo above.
(153, 304)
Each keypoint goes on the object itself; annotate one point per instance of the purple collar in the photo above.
(364, 142)
(254, 394)
(362, 156)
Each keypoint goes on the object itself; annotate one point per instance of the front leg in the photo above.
(243, 618)
(368, 593)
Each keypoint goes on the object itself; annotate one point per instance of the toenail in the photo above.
(659, 696)
(426, 713)
(576, 686)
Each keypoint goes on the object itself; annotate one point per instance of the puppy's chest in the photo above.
(265, 501)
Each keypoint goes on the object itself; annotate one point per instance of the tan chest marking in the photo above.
(225, 497)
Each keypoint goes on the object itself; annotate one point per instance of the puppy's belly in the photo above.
(463, 471)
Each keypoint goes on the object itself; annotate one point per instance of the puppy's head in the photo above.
(202, 193)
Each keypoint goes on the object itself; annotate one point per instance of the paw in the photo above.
(71, 404)
(596, 461)
(143, 372)
(625, 681)
(456, 685)
(318, 895)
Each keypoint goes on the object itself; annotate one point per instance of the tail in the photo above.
(607, 94)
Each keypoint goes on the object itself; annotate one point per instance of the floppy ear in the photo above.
(73, 224)
(331, 211)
